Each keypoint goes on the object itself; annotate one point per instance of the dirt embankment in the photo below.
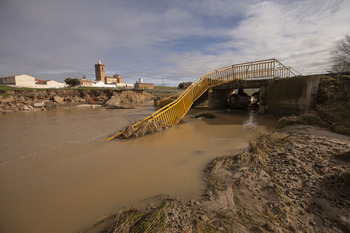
(31, 100)
(295, 181)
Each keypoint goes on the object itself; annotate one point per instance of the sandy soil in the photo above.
(296, 180)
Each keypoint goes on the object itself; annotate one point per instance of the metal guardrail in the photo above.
(172, 113)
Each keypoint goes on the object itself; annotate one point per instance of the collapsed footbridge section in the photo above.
(172, 113)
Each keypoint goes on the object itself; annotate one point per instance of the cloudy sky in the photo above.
(165, 41)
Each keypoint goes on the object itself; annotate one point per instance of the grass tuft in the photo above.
(133, 220)
(147, 127)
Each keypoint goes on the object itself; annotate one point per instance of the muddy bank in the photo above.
(34, 100)
(293, 181)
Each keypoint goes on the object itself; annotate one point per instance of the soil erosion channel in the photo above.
(58, 174)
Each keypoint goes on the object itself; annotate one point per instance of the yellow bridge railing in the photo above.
(172, 113)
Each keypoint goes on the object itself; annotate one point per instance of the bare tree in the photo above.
(340, 56)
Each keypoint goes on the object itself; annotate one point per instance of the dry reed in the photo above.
(133, 220)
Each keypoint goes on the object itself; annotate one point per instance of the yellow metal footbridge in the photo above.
(172, 113)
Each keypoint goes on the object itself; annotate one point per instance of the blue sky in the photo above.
(157, 40)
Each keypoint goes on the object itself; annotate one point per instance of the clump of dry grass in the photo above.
(217, 184)
(256, 157)
(165, 101)
(144, 128)
(337, 116)
(133, 220)
(309, 118)
(259, 148)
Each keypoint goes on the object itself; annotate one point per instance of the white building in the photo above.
(114, 85)
(102, 84)
(29, 82)
(55, 84)
(22, 80)
(125, 85)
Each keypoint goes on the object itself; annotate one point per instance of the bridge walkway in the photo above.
(172, 113)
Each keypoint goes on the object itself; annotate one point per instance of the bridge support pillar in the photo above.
(217, 98)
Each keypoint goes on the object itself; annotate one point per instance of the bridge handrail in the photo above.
(172, 113)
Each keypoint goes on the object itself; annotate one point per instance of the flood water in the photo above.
(59, 174)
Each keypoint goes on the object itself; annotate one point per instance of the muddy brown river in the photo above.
(59, 174)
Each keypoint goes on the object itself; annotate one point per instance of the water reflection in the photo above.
(251, 122)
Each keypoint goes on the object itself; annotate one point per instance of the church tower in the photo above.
(100, 72)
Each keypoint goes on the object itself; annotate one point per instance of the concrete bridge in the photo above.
(285, 96)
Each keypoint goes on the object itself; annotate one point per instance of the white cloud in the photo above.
(54, 39)
(300, 34)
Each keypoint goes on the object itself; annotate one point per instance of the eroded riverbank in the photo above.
(293, 181)
(14, 100)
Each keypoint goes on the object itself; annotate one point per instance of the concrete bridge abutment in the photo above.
(285, 96)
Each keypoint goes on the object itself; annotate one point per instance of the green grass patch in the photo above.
(165, 88)
(5, 94)
(8, 88)
(94, 88)
(162, 91)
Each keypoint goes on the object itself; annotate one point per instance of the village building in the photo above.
(115, 79)
(40, 82)
(55, 84)
(100, 72)
(48, 84)
(86, 83)
(22, 80)
(141, 85)
(107, 81)
(102, 84)
(27, 81)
